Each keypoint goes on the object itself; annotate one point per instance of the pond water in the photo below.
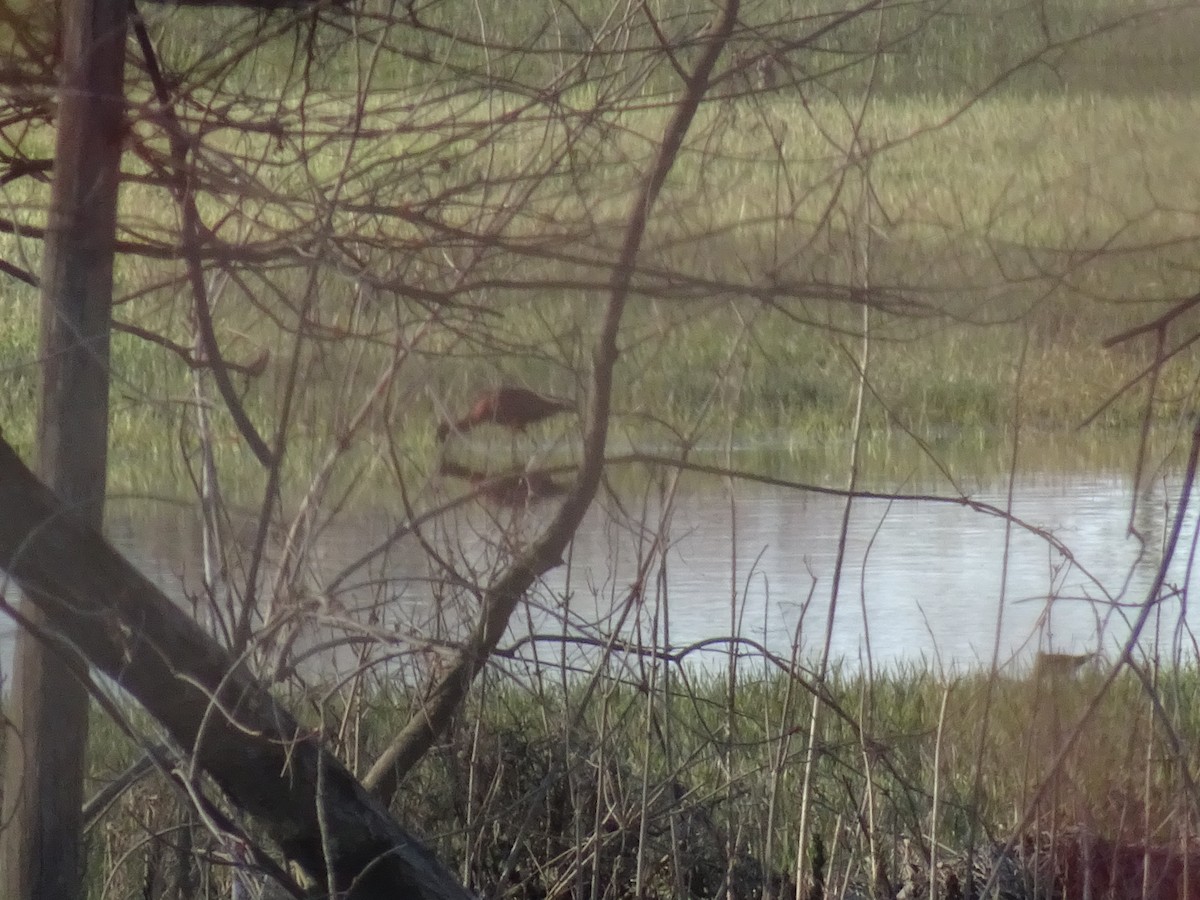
(922, 582)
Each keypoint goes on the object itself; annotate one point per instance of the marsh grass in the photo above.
(544, 782)
(1030, 222)
(959, 46)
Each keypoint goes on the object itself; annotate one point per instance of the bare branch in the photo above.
(231, 726)
(545, 553)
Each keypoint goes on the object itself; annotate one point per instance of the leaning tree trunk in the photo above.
(43, 767)
(229, 725)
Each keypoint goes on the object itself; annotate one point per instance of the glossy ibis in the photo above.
(512, 407)
(508, 488)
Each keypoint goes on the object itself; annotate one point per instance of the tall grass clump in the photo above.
(540, 790)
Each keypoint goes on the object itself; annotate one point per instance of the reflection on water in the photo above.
(932, 583)
(940, 584)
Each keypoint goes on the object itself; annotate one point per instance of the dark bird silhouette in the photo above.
(511, 407)
(508, 488)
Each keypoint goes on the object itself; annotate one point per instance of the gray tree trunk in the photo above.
(43, 778)
(230, 726)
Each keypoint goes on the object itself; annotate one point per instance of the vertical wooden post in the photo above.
(40, 856)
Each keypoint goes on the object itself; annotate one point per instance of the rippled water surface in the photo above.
(935, 583)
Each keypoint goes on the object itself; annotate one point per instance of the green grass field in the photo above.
(1019, 244)
(1005, 225)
